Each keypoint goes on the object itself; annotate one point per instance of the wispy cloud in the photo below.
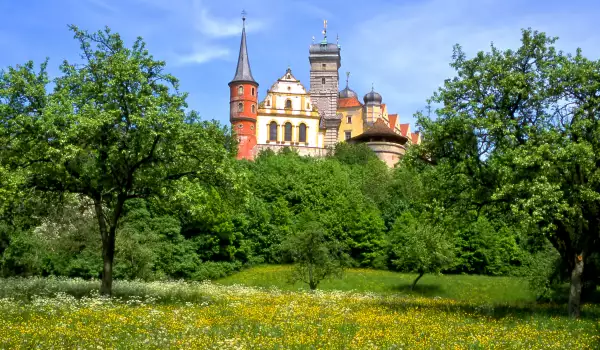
(406, 49)
(102, 5)
(216, 27)
(184, 31)
(202, 55)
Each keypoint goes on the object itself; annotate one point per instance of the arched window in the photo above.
(240, 90)
(268, 103)
(288, 104)
(253, 109)
(302, 133)
(288, 132)
(240, 107)
(323, 81)
(252, 91)
(273, 131)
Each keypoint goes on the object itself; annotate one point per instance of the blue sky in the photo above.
(403, 47)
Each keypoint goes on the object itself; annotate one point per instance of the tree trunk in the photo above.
(417, 280)
(576, 286)
(108, 256)
(108, 233)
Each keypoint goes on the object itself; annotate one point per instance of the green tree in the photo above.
(113, 129)
(517, 130)
(315, 258)
(419, 246)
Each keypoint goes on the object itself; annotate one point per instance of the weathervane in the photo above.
(347, 78)
(244, 13)
(325, 31)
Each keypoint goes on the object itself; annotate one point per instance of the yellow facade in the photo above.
(355, 125)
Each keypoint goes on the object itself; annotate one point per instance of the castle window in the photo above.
(240, 90)
(240, 107)
(240, 126)
(253, 109)
(302, 133)
(288, 132)
(349, 119)
(288, 104)
(268, 103)
(323, 81)
(252, 91)
(307, 105)
(324, 66)
(348, 135)
(273, 131)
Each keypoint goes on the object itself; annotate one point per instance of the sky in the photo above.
(400, 47)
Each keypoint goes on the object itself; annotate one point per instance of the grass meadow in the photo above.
(258, 309)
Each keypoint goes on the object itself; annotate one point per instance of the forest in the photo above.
(105, 173)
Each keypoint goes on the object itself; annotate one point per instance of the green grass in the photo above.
(459, 287)
(257, 308)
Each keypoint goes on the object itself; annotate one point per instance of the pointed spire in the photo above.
(243, 72)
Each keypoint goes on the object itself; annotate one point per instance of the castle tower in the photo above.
(243, 97)
(372, 107)
(325, 60)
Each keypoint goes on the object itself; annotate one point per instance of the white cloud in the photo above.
(214, 27)
(203, 55)
(406, 49)
(103, 5)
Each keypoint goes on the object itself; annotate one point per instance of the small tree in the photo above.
(419, 247)
(315, 258)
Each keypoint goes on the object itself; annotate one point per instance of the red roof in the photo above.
(404, 129)
(414, 137)
(380, 130)
(349, 102)
(393, 118)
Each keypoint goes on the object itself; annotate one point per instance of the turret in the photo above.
(243, 97)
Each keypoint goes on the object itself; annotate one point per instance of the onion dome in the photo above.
(347, 93)
(372, 98)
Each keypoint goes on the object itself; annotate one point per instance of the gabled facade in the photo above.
(312, 121)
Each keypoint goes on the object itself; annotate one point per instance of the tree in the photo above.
(419, 246)
(517, 130)
(113, 129)
(315, 258)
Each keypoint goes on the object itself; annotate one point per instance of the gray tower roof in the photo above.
(243, 72)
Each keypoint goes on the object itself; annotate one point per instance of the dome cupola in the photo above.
(372, 98)
(347, 92)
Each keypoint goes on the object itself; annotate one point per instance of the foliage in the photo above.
(112, 130)
(314, 257)
(516, 131)
(419, 246)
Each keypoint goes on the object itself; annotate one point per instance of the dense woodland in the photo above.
(105, 173)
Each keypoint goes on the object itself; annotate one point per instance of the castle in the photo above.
(312, 121)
